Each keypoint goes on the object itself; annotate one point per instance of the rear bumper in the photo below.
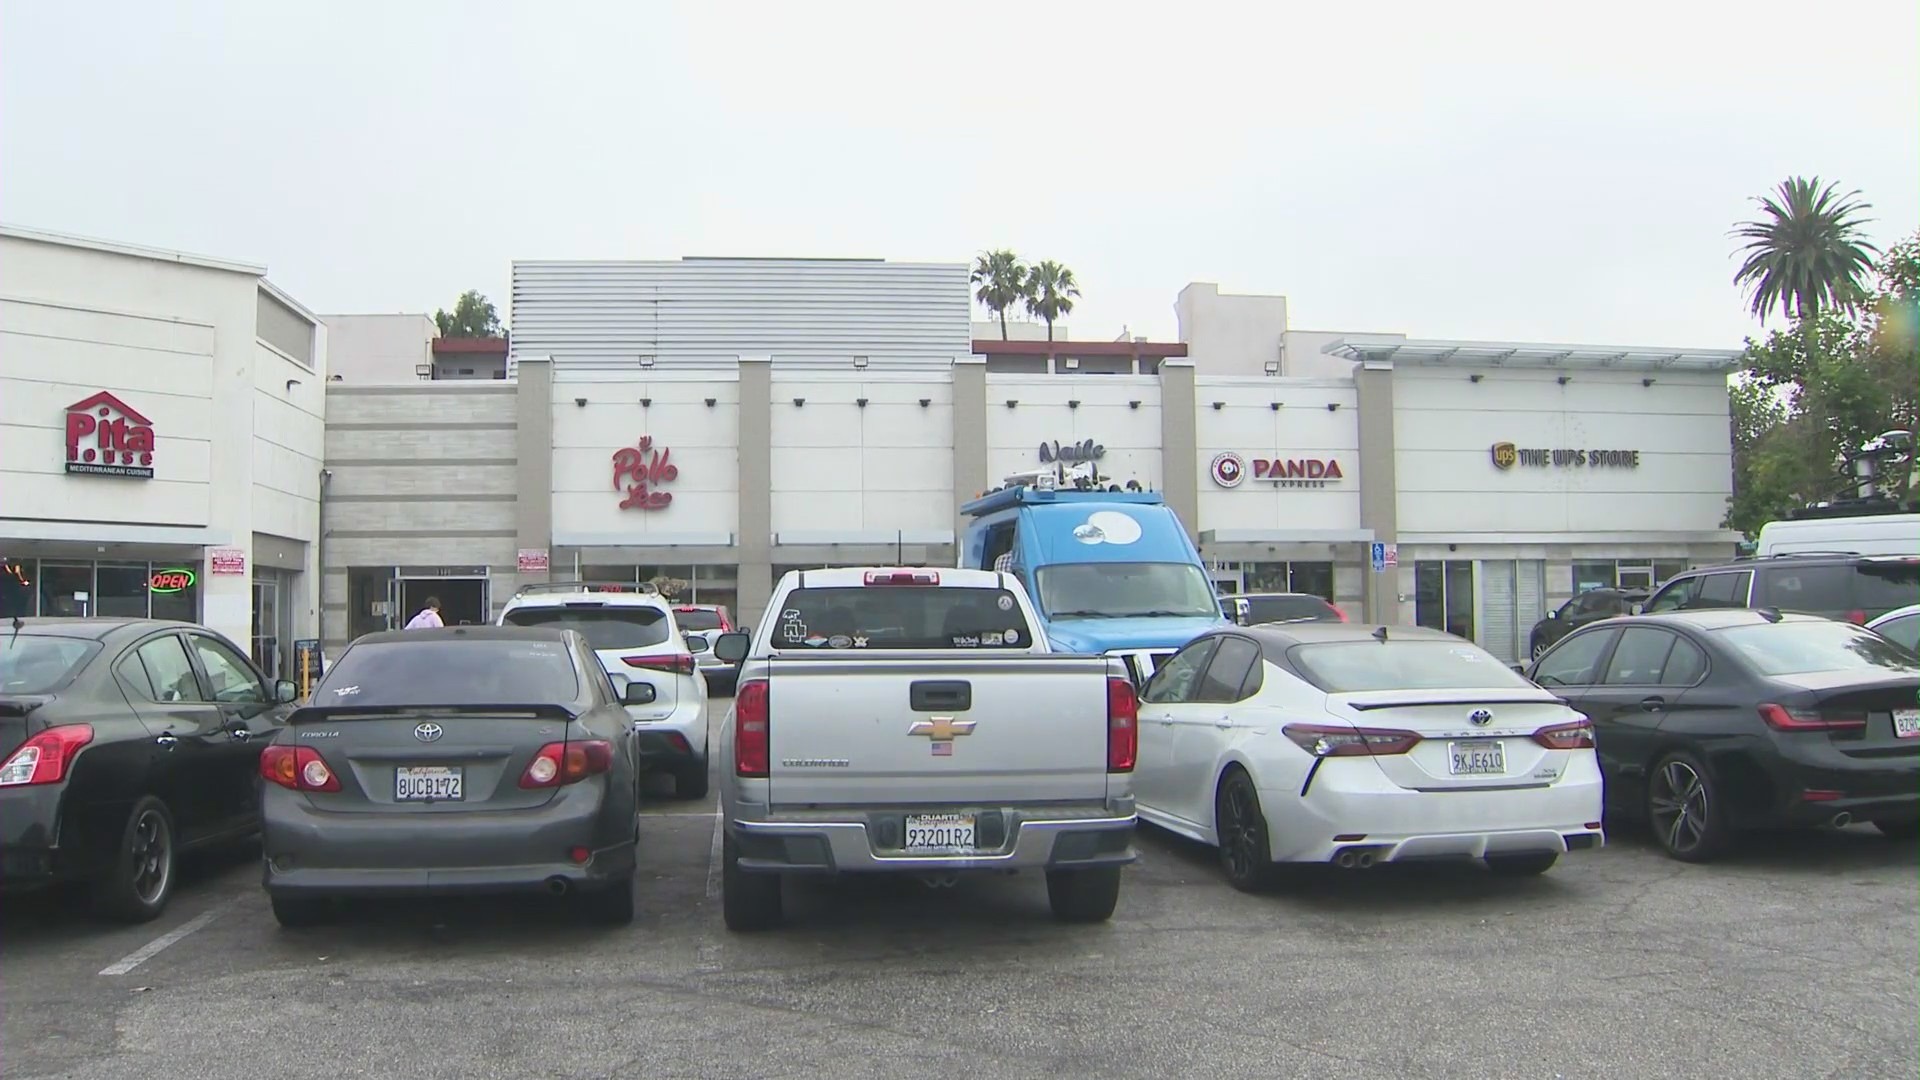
(309, 851)
(30, 855)
(1353, 798)
(1884, 789)
(676, 739)
(1009, 838)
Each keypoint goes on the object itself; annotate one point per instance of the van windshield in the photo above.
(1126, 591)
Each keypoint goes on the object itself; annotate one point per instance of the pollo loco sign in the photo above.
(640, 470)
(107, 438)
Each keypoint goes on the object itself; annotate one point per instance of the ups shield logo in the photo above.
(1504, 455)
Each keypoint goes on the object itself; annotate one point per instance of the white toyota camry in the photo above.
(1355, 745)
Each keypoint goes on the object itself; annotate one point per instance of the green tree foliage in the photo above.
(1001, 280)
(473, 316)
(1051, 291)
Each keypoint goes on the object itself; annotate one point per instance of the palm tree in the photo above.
(1050, 292)
(1806, 252)
(1002, 281)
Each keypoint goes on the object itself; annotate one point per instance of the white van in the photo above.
(1876, 534)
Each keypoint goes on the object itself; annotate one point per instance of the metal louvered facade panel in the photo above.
(705, 313)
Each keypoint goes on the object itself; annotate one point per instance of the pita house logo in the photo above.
(107, 438)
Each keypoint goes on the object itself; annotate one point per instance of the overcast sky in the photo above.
(1519, 172)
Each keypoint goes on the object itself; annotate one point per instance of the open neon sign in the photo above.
(171, 581)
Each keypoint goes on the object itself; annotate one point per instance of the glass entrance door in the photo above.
(266, 624)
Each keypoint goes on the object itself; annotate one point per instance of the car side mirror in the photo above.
(285, 692)
(697, 644)
(639, 693)
(732, 648)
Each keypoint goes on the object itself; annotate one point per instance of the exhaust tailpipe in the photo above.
(941, 881)
(1841, 820)
(1364, 860)
(557, 885)
(1346, 860)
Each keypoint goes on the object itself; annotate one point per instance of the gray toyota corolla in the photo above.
(469, 759)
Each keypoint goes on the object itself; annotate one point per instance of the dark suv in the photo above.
(1854, 588)
(1590, 606)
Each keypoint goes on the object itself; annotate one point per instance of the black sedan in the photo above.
(1711, 722)
(1587, 608)
(470, 759)
(125, 743)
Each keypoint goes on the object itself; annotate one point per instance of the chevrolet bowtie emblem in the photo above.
(942, 728)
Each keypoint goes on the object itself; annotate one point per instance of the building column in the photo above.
(754, 540)
(1379, 487)
(533, 450)
(969, 442)
(1179, 444)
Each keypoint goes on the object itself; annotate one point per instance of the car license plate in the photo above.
(1480, 758)
(426, 783)
(1906, 723)
(939, 832)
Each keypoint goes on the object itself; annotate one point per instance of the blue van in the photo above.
(1109, 572)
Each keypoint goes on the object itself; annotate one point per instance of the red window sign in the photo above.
(171, 581)
(640, 470)
(107, 438)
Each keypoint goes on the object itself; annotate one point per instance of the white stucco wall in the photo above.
(1106, 414)
(1303, 427)
(379, 348)
(842, 467)
(701, 442)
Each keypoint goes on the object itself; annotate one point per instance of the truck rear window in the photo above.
(901, 617)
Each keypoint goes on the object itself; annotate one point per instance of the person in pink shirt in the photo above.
(429, 616)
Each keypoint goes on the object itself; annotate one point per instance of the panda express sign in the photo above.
(106, 437)
(1230, 470)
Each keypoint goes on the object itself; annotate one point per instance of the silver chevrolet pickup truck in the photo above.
(911, 721)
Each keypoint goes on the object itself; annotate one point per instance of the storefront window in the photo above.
(16, 588)
(66, 589)
(1315, 578)
(1665, 570)
(121, 590)
(1594, 574)
(174, 590)
(1443, 596)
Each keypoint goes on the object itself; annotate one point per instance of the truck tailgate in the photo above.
(929, 729)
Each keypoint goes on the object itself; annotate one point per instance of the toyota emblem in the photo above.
(430, 732)
(1480, 717)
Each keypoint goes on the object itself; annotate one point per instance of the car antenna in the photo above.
(1380, 634)
(1770, 614)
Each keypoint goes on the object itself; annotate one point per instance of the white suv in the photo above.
(633, 631)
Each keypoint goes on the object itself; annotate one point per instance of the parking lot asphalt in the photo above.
(1794, 958)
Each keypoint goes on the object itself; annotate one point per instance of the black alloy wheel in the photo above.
(1245, 854)
(1539, 648)
(1684, 809)
(139, 880)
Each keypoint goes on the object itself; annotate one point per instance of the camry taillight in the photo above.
(560, 763)
(667, 662)
(1577, 735)
(1123, 726)
(45, 758)
(1781, 718)
(1326, 740)
(752, 740)
(297, 768)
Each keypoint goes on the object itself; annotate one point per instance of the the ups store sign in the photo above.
(1506, 456)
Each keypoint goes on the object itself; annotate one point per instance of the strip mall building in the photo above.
(710, 423)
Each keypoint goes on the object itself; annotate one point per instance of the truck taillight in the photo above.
(751, 739)
(902, 577)
(1123, 725)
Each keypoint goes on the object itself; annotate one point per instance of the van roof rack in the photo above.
(644, 588)
(1007, 498)
(1833, 554)
(1873, 506)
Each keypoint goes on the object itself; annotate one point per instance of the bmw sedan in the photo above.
(1713, 722)
(458, 760)
(1358, 745)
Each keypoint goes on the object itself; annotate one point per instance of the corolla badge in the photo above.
(1480, 717)
(428, 732)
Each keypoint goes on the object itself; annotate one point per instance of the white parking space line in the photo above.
(713, 860)
(699, 814)
(152, 948)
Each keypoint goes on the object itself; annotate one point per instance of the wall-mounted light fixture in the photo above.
(711, 402)
(1475, 377)
(1133, 404)
(646, 403)
(799, 401)
(580, 401)
(1218, 405)
(1648, 381)
(1564, 379)
(1273, 367)
(860, 361)
(1333, 406)
(425, 371)
(926, 402)
(291, 383)
(1275, 406)
(1073, 403)
(862, 402)
(646, 360)
(1011, 402)
(1073, 363)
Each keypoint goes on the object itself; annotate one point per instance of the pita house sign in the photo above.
(105, 437)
